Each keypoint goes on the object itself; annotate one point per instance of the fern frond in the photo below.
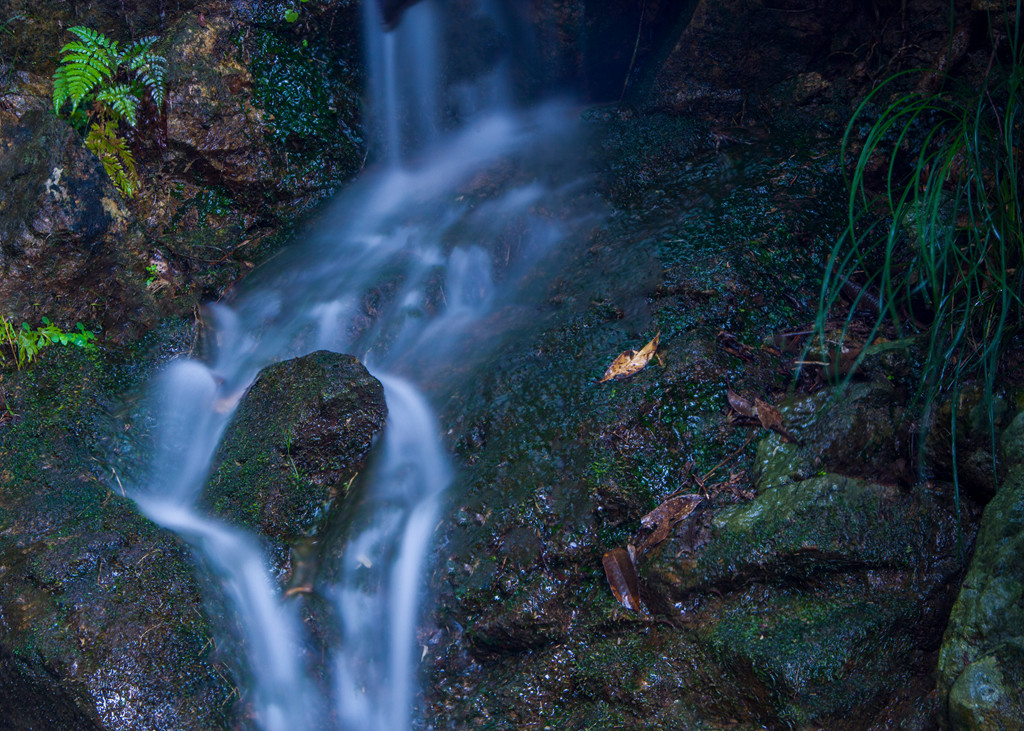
(122, 102)
(148, 67)
(84, 65)
(117, 159)
(93, 38)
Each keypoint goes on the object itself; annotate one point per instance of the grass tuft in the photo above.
(933, 246)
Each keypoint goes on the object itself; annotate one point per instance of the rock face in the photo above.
(300, 434)
(62, 225)
(259, 125)
(735, 56)
(103, 624)
(812, 585)
(981, 666)
(847, 572)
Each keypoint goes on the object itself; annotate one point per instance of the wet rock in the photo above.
(31, 698)
(62, 224)
(827, 581)
(576, 465)
(979, 421)
(732, 57)
(21, 92)
(987, 694)
(103, 622)
(861, 431)
(212, 125)
(36, 30)
(300, 434)
(981, 665)
(730, 50)
(260, 124)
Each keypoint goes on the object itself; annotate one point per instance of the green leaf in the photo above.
(122, 102)
(117, 159)
(291, 16)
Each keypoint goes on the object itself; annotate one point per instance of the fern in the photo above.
(121, 101)
(117, 159)
(95, 74)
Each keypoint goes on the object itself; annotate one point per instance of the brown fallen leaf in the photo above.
(631, 361)
(740, 405)
(770, 418)
(663, 518)
(622, 578)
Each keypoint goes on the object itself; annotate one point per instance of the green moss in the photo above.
(99, 588)
(817, 657)
(812, 525)
(311, 97)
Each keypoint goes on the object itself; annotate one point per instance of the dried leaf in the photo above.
(739, 404)
(770, 418)
(663, 518)
(631, 361)
(767, 414)
(622, 578)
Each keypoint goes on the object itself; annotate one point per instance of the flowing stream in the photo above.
(451, 221)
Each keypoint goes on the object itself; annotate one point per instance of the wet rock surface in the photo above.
(980, 666)
(62, 225)
(260, 124)
(103, 624)
(810, 588)
(738, 58)
(301, 433)
(812, 585)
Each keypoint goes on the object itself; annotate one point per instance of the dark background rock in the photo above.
(63, 230)
(261, 124)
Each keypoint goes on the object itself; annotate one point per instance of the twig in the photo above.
(114, 472)
(714, 469)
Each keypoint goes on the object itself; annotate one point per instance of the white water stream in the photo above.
(418, 222)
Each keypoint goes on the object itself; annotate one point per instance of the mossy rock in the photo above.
(981, 664)
(805, 657)
(103, 612)
(300, 434)
(823, 524)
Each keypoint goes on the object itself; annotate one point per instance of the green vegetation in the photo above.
(24, 344)
(934, 245)
(105, 87)
(5, 27)
(292, 14)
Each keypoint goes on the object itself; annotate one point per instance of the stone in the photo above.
(302, 431)
(981, 662)
(104, 624)
(62, 224)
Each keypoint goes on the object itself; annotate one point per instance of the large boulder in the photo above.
(300, 434)
(981, 666)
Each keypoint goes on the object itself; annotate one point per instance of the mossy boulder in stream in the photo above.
(300, 434)
(981, 666)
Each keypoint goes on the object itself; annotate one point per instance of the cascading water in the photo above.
(423, 222)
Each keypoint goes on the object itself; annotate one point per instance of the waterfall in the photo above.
(456, 250)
